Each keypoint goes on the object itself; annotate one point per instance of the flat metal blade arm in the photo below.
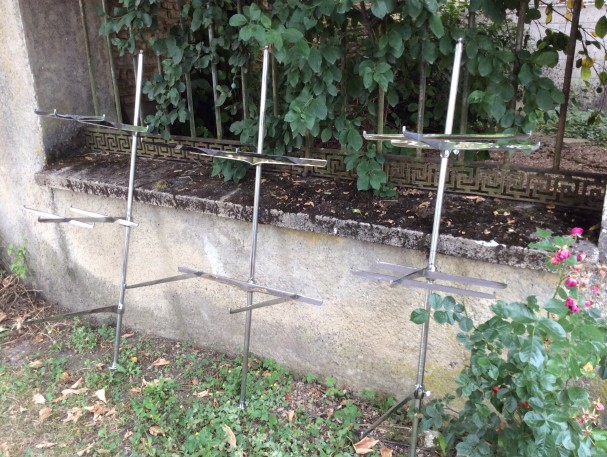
(250, 287)
(98, 121)
(251, 158)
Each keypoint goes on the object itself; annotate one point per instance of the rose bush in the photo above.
(522, 390)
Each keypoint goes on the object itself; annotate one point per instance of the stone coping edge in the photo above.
(490, 252)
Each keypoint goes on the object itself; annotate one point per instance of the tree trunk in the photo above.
(560, 134)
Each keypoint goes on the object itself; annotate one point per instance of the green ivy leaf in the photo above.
(380, 8)
(436, 25)
(292, 35)
(419, 316)
(546, 57)
(601, 27)
(485, 66)
(238, 20)
(355, 140)
(315, 60)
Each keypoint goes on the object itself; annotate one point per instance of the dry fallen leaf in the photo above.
(155, 430)
(103, 451)
(98, 410)
(230, 435)
(100, 366)
(202, 394)
(38, 399)
(73, 415)
(136, 390)
(309, 204)
(44, 414)
(64, 376)
(160, 362)
(290, 415)
(365, 445)
(65, 393)
(39, 338)
(475, 198)
(195, 382)
(35, 364)
(385, 452)
(86, 450)
(100, 394)
(76, 384)
(127, 335)
(4, 449)
(127, 434)
(45, 445)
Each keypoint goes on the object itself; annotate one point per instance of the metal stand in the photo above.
(446, 144)
(87, 219)
(249, 286)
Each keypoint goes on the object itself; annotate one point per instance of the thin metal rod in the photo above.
(423, 347)
(112, 68)
(161, 281)
(129, 212)
(60, 317)
(387, 414)
(243, 75)
(188, 88)
(89, 59)
(215, 84)
(276, 301)
(249, 313)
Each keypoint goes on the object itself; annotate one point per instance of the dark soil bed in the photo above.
(489, 219)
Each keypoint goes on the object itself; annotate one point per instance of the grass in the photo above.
(168, 398)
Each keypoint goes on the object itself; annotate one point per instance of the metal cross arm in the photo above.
(252, 287)
(451, 142)
(251, 158)
(60, 317)
(87, 220)
(98, 121)
(411, 273)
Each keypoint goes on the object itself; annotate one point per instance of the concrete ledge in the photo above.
(362, 334)
(492, 252)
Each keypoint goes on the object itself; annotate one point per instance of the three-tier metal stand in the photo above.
(87, 219)
(249, 286)
(447, 145)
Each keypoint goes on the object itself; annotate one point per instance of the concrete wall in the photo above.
(361, 334)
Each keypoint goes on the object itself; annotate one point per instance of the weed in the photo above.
(17, 255)
(589, 125)
(83, 337)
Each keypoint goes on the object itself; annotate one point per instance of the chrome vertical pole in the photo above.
(129, 212)
(419, 391)
(249, 313)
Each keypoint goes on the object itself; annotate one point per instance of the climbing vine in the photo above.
(340, 67)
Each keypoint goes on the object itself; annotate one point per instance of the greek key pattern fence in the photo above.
(586, 190)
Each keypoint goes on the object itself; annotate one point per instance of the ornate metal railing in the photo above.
(567, 188)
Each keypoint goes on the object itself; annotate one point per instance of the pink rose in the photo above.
(570, 282)
(581, 257)
(576, 231)
(588, 303)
